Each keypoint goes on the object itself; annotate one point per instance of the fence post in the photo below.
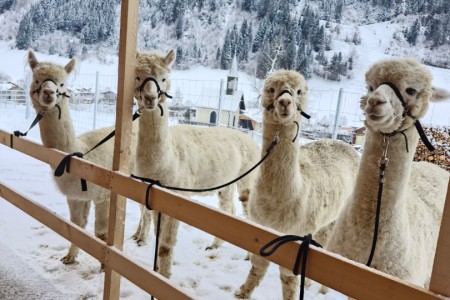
(336, 117)
(27, 95)
(220, 102)
(95, 100)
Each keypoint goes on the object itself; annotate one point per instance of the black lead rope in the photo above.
(302, 253)
(65, 162)
(64, 166)
(158, 183)
(377, 215)
(36, 120)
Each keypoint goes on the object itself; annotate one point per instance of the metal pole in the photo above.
(95, 100)
(27, 95)
(336, 117)
(220, 102)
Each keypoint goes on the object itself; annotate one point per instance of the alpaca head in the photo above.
(49, 82)
(391, 82)
(284, 96)
(152, 78)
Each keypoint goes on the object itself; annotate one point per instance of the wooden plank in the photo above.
(122, 152)
(149, 281)
(440, 278)
(5, 139)
(340, 274)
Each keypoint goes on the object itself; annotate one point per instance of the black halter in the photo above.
(407, 113)
(58, 93)
(160, 92)
(272, 105)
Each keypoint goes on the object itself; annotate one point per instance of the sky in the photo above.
(36, 251)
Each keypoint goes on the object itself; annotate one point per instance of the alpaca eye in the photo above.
(138, 78)
(37, 81)
(163, 79)
(272, 90)
(370, 89)
(411, 91)
(299, 92)
(62, 84)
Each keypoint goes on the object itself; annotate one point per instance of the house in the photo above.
(12, 92)
(108, 97)
(360, 134)
(81, 96)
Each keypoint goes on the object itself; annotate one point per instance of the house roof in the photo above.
(210, 99)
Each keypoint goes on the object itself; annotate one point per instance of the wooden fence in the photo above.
(340, 274)
(350, 278)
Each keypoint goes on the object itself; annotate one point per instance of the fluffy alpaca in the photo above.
(48, 84)
(298, 190)
(183, 156)
(413, 193)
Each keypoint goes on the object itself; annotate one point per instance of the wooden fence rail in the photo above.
(343, 275)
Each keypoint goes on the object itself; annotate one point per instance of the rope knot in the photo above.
(64, 166)
(302, 253)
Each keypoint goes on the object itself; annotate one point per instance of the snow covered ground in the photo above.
(27, 247)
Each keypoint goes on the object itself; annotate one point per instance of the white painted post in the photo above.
(94, 125)
(220, 102)
(336, 117)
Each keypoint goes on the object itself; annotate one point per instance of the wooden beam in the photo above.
(440, 278)
(149, 281)
(348, 277)
(122, 151)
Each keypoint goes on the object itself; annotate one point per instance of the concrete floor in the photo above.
(18, 281)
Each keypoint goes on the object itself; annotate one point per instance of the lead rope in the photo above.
(382, 163)
(302, 254)
(64, 165)
(36, 120)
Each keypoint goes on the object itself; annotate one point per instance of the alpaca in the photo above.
(413, 192)
(298, 190)
(48, 91)
(184, 156)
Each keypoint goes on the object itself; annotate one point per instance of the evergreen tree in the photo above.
(6, 5)
(248, 5)
(24, 36)
(226, 55)
(179, 27)
(179, 60)
(259, 38)
(413, 33)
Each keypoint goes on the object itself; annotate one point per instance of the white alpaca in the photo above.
(46, 92)
(299, 190)
(183, 156)
(413, 193)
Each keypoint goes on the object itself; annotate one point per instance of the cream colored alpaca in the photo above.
(59, 133)
(299, 190)
(184, 156)
(413, 193)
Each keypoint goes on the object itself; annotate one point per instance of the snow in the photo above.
(35, 251)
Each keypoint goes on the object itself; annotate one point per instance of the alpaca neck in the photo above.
(396, 179)
(153, 138)
(58, 132)
(285, 152)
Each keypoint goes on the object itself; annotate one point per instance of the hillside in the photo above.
(316, 37)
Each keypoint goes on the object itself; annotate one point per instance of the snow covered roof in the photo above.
(210, 99)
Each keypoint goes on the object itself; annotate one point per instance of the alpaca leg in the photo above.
(289, 283)
(167, 240)
(244, 194)
(141, 234)
(79, 212)
(254, 277)
(225, 204)
(101, 220)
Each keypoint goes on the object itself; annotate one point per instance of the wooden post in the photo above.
(124, 109)
(440, 278)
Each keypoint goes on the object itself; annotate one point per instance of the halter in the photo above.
(158, 89)
(272, 106)
(39, 89)
(407, 113)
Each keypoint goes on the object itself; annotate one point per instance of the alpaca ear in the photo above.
(170, 58)
(70, 65)
(32, 61)
(439, 94)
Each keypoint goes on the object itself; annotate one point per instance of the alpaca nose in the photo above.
(149, 99)
(285, 102)
(376, 100)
